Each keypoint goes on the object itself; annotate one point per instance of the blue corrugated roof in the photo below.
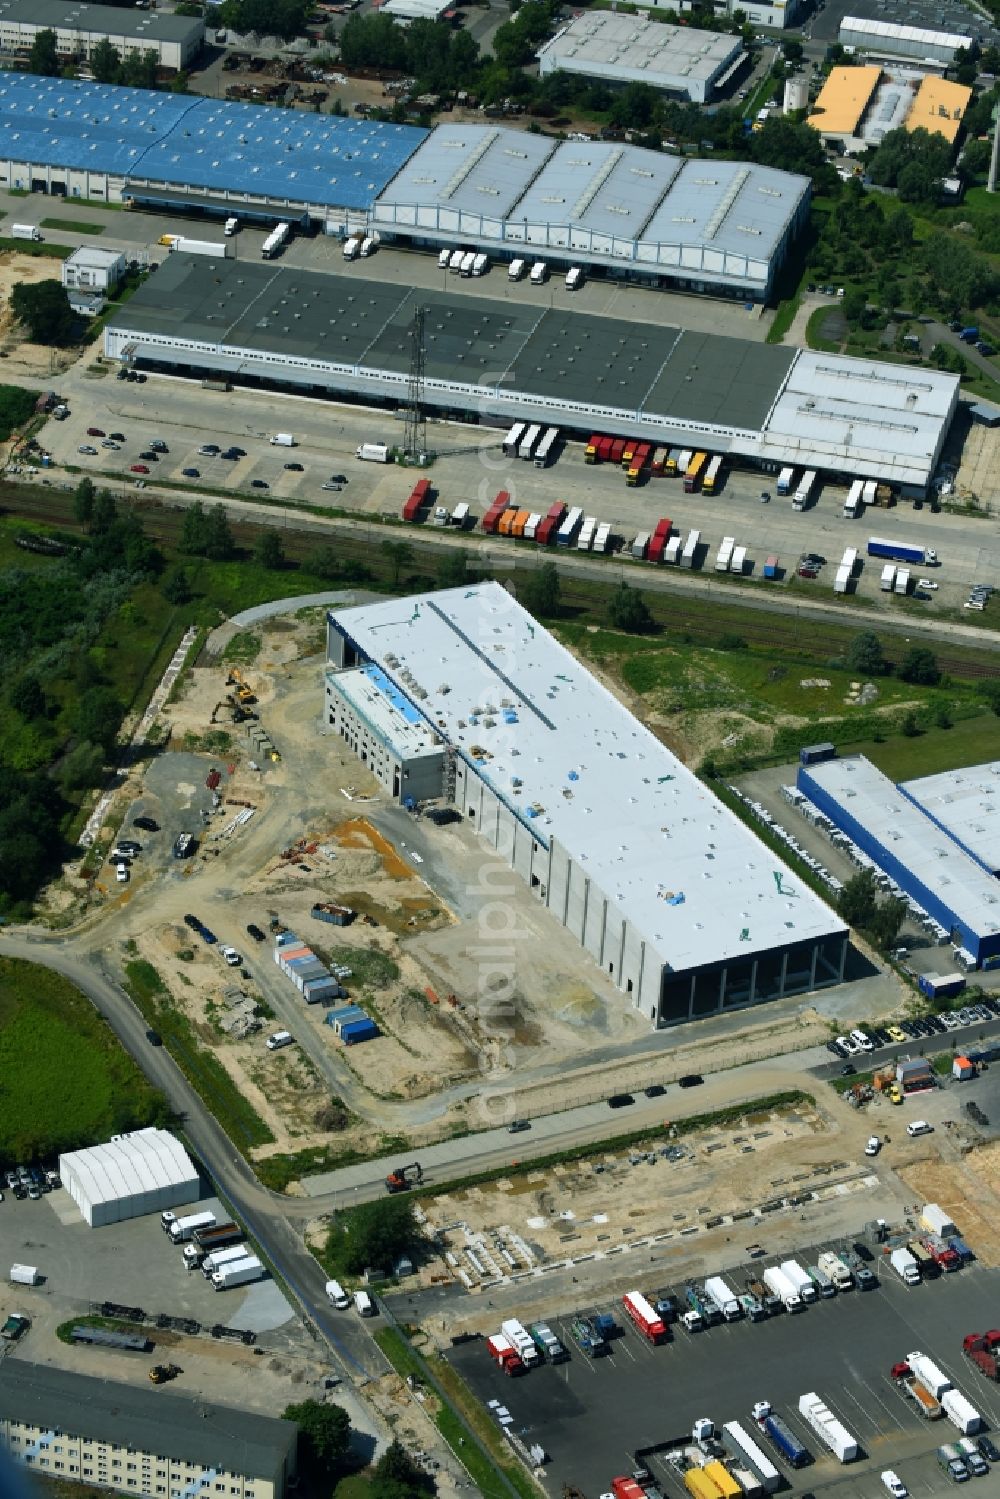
(172, 138)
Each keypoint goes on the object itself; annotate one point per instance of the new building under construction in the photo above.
(461, 696)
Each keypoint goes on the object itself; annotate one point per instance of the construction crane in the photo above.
(403, 1177)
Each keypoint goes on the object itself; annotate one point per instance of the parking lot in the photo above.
(132, 1263)
(591, 1416)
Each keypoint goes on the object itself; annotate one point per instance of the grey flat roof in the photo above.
(600, 185)
(574, 765)
(597, 42)
(767, 401)
(148, 25)
(904, 831)
(966, 803)
(411, 737)
(892, 31)
(196, 1431)
(90, 255)
(490, 183)
(483, 169)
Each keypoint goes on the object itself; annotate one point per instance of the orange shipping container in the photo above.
(506, 522)
(519, 522)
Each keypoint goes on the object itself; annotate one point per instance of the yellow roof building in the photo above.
(843, 100)
(939, 106)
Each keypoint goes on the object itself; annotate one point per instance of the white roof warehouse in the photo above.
(667, 890)
(631, 49)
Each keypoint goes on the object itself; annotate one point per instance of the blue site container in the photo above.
(358, 1030)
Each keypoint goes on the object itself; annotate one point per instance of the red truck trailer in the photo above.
(641, 454)
(590, 452)
(658, 540)
(627, 1488)
(503, 1352)
(491, 519)
(550, 523)
(419, 497)
(644, 1317)
(980, 1348)
(617, 451)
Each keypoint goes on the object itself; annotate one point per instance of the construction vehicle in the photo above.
(402, 1177)
(160, 1373)
(244, 691)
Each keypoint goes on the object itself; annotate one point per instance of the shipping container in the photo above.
(531, 525)
(724, 555)
(694, 472)
(713, 475)
(568, 528)
(672, 551)
(724, 1481)
(615, 450)
(591, 450)
(738, 564)
(512, 441)
(526, 447)
(546, 448)
(517, 525)
(930, 1376)
(697, 1483)
(690, 553)
(506, 521)
(771, 567)
(888, 578)
(586, 535)
(640, 546)
(602, 537)
(358, 1030)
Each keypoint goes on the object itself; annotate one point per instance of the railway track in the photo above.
(685, 617)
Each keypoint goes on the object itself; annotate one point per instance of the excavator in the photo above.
(244, 691)
(403, 1177)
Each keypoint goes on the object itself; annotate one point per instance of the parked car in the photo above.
(95, 432)
(138, 468)
(873, 1146)
(159, 446)
(295, 468)
(655, 1090)
(231, 956)
(259, 484)
(87, 449)
(256, 933)
(149, 456)
(690, 1080)
(129, 846)
(193, 922)
(518, 1126)
(190, 473)
(620, 1100)
(117, 436)
(148, 823)
(154, 1038)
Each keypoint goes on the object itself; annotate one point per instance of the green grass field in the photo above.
(72, 226)
(66, 1080)
(203, 1071)
(970, 741)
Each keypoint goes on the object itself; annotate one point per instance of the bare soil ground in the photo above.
(979, 473)
(37, 360)
(967, 1187)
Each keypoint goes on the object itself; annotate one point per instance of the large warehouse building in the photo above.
(132, 1175)
(619, 49)
(913, 43)
(495, 361)
(721, 227)
(460, 695)
(61, 1425)
(176, 40)
(914, 834)
(857, 107)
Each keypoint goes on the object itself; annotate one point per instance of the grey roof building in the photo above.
(135, 1438)
(176, 40)
(767, 403)
(717, 226)
(631, 49)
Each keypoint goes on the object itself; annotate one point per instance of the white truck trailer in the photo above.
(931, 1377)
(238, 1273)
(738, 562)
(888, 577)
(741, 1445)
(25, 231)
(962, 1415)
(181, 1229)
(523, 1342)
(220, 1257)
(831, 1432)
(720, 1295)
(724, 555)
(779, 1285)
(800, 1279)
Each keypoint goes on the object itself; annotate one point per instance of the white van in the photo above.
(864, 1041)
(365, 1304)
(574, 278)
(539, 273)
(919, 1127)
(336, 1293)
(278, 1040)
(443, 259)
(516, 270)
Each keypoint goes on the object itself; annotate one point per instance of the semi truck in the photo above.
(237, 1273)
(779, 1285)
(753, 1308)
(220, 1257)
(824, 1285)
(832, 1265)
(722, 1297)
(181, 1229)
(974, 1460)
(802, 496)
(548, 1344)
(24, 1275)
(981, 1351)
(785, 1440)
(800, 1279)
(831, 1432)
(643, 1317)
(587, 1337)
(902, 551)
(740, 1444)
(905, 1266)
(503, 1352)
(201, 246)
(854, 504)
(930, 1376)
(785, 481)
(373, 452)
(275, 241)
(218, 1236)
(910, 1386)
(522, 1341)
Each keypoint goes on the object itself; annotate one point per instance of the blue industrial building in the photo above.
(921, 853)
(90, 140)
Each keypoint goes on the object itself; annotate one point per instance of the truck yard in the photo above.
(597, 1417)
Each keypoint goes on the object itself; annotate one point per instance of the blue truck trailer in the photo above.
(778, 1433)
(901, 551)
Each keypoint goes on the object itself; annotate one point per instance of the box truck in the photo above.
(220, 1257)
(24, 1275)
(238, 1273)
(905, 1266)
(283, 440)
(522, 1342)
(800, 1279)
(373, 452)
(643, 1317)
(25, 231)
(181, 1229)
(779, 1285)
(718, 1292)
